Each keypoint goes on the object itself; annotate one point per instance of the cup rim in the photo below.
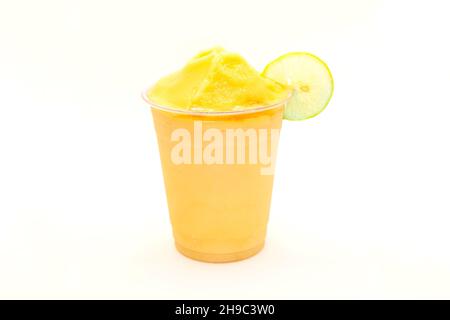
(257, 108)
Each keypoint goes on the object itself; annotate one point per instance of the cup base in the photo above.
(218, 258)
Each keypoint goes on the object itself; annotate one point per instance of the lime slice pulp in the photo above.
(310, 79)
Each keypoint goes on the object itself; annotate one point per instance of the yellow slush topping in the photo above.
(216, 80)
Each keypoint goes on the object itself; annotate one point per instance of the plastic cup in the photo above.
(219, 210)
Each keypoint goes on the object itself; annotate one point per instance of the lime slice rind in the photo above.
(311, 81)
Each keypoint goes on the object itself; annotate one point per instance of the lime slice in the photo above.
(310, 79)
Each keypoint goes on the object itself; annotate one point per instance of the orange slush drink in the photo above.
(217, 122)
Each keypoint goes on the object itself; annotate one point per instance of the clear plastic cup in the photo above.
(218, 204)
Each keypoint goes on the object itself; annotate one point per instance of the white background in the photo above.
(361, 197)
